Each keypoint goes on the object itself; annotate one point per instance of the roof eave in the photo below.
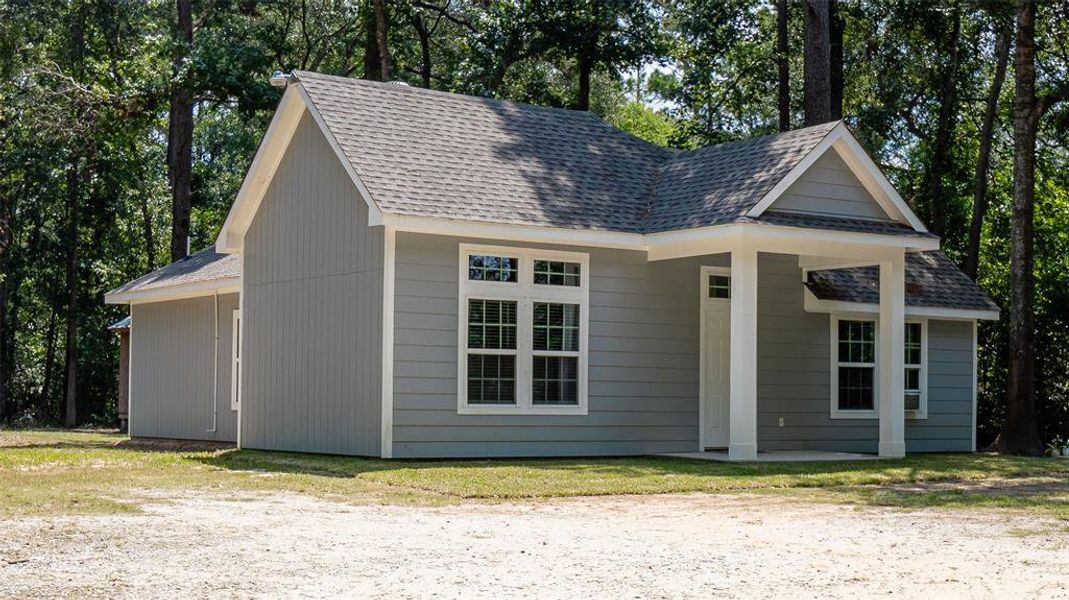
(179, 291)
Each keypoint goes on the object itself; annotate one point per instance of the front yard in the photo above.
(56, 473)
(88, 514)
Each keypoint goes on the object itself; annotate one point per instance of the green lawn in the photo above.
(50, 473)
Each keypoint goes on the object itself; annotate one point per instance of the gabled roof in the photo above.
(200, 271)
(932, 280)
(417, 153)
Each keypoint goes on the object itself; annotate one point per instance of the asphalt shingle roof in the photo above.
(428, 153)
(932, 279)
(206, 265)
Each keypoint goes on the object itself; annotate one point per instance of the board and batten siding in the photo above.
(172, 345)
(829, 188)
(643, 387)
(312, 310)
(794, 376)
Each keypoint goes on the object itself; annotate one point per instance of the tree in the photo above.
(381, 39)
(180, 133)
(783, 68)
(1020, 432)
(987, 134)
(836, 33)
(817, 73)
(945, 126)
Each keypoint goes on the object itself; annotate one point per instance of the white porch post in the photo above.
(742, 407)
(892, 356)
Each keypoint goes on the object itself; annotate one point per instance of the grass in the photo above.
(56, 473)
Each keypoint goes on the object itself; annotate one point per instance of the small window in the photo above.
(491, 379)
(482, 267)
(856, 366)
(914, 366)
(556, 327)
(492, 324)
(235, 360)
(556, 380)
(720, 286)
(556, 272)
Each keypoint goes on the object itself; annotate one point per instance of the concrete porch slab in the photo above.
(777, 456)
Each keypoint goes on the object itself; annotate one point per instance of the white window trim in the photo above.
(525, 293)
(235, 359)
(833, 330)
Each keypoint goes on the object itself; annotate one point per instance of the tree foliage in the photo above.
(86, 88)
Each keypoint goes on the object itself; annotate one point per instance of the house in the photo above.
(411, 273)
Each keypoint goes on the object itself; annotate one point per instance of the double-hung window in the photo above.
(855, 371)
(523, 331)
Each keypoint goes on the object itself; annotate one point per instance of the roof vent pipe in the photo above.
(280, 79)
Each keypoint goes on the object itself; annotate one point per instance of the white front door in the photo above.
(715, 355)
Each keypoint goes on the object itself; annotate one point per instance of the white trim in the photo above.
(703, 289)
(525, 293)
(130, 378)
(517, 233)
(264, 164)
(812, 304)
(181, 291)
(269, 156)
(388, 270)
(244, 347)
(875, 182)
(975, 375)
(235, 359)
(835, 411)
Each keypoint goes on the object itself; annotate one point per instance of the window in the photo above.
(856, 366)
(235, 360)
(915, 383)
(855, 370)
(523, 332)
(720, 286)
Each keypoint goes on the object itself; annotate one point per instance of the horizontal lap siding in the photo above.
(829, 188)
(172, 348)
(312, 310)
(794, 367)
(643, 389)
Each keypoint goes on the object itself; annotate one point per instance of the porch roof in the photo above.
(932, 279)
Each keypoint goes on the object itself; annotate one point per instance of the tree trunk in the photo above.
(424, 49)
(987, 133)
(180, 143)
(6, 410)
(147, 234)
(1020, 434)
(381, 38)
(945, 128)
(817, 63)
(372, 60)
(836, 30)
(70, 413)
(783, 67)
(44, 408)
(585, 67)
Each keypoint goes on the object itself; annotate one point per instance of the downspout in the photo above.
(215, 365)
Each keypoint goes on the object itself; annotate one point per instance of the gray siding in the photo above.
(643, 359)
(172, 346)
(829, 188)
(643, 394)
(312, 310)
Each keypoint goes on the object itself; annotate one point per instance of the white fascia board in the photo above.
(261, 171)
(813, 304)
(375, 216)
(225, 285)
(516, 233)
(868, 173)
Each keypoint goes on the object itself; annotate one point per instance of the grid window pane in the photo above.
(719, 286)
(491, 379)
(856, 389)
(493, 268)
(556, 327)
(555, 380)
(556, 272)
(913, 343)
(913, 379)
(857, 341)
(492, 324)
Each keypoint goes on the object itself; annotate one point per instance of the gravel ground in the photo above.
(674, 546)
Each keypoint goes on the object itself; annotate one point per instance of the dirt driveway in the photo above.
(672, 546)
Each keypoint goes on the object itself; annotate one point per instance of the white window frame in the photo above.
(235, 359)
(525, 293)
(836, 412)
